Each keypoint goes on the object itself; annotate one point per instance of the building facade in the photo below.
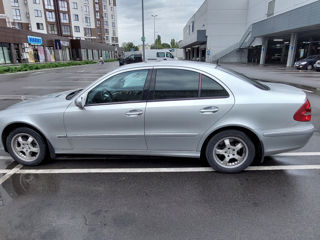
(258, 31)
(93, 20)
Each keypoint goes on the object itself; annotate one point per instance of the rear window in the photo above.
(253, 82)
(161, 54)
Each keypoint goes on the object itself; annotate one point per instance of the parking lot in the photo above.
(131, 197)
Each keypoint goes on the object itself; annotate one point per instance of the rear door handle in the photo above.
(208, 110)
(134, 113)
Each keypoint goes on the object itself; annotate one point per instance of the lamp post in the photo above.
(143, 37)
(154, 27)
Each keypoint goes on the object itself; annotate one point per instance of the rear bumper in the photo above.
(286, 140)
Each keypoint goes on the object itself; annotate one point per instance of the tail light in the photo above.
(304, 113)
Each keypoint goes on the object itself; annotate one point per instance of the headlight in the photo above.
(303, 63)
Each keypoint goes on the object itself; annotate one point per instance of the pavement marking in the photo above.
(17, 170)
(10, 173)
(5, 158)
(17, 97)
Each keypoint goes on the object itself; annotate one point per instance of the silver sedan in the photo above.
(182, 109)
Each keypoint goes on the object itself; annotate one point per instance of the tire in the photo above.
(224, 154)
(26, 146)
(309, 67)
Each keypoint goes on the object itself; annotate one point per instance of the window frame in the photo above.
(145, 92)
(151, 96)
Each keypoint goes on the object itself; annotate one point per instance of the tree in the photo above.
(128, 46)
(174, 44)
(165, 45)
(157, 43)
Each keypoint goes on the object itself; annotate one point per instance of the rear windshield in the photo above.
(254, 82)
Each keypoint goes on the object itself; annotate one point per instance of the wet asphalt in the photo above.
(263, 204)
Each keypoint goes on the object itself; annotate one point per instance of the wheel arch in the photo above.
(259, 148)
(15, 125)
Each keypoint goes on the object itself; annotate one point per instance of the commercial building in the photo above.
(57, 30)
(258, 31)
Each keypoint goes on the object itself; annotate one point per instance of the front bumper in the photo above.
(286, 140)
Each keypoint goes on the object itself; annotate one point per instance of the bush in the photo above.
(36, 66)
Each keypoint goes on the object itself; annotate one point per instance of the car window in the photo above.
(176, 83)
(210, 88)
(169, 55)
(127, 86)
(160, 54)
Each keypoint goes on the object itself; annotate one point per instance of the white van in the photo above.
(159, 54)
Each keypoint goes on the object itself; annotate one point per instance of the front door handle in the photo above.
(134, 113)
(208, 110)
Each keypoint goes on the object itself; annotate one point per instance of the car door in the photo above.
(183, 106)
(113, 116)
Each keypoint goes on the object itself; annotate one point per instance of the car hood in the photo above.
(41, 103)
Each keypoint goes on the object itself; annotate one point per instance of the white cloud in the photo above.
(172, 17)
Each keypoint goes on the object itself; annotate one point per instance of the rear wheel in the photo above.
(230, 151)
(26, 146)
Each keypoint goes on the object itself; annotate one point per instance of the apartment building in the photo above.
(57, 30)
(257, 31)
(93, 20)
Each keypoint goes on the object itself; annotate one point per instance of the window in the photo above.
(161, 54)
(107, 39)
(49, 4)
(16, 14)
(113, 33)
(107, 31)
(18, 25)
(40, 26)
(52, 29)
(65, 30)
(76, 28)
(112, 16)
(86, 1)
(63, 5)
(175, 83)
(105, 15)
(87, 21)
(123, 87)
(36, 1)
(98, 23)
(87, 32)
(192, 26)
(99, 30)
(74, 5)
(106, 23)
(64, 17)
(37, 13)
(113, 24)
(111, 9)
(210, 88)
(14, 3)
(51, 16)
(169, 55)
(75, 17)
(97, 6)
(271, 6)
(86, 9)
(97, 15)
(104, 7)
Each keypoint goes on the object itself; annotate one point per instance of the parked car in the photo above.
(307, 63)
(133, 58)
(159, 54)
(316, 66)
(181, 109)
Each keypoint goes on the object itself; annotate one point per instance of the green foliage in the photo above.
(128, 46)
(165, 45)
(36, 66)
(174, 44)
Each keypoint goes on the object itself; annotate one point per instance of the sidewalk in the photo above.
(309, 80)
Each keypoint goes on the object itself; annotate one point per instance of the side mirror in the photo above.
(80, 102)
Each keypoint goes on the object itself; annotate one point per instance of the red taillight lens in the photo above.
(304, 113)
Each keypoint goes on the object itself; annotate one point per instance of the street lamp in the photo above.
(143, 37)
(154, 27)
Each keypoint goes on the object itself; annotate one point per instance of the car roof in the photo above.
(188, 64)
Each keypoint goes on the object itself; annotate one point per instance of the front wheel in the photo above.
(26, 146)
(309, 67)
(230, 151)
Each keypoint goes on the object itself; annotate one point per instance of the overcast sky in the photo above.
(172, 17)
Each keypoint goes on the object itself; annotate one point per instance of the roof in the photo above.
(188, 64)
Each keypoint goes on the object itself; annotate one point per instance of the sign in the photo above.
(208, 52)
(34, 40)
(65, 43)
(143, 39)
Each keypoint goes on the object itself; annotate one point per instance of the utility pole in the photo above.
(154, 27)
(143, 37)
